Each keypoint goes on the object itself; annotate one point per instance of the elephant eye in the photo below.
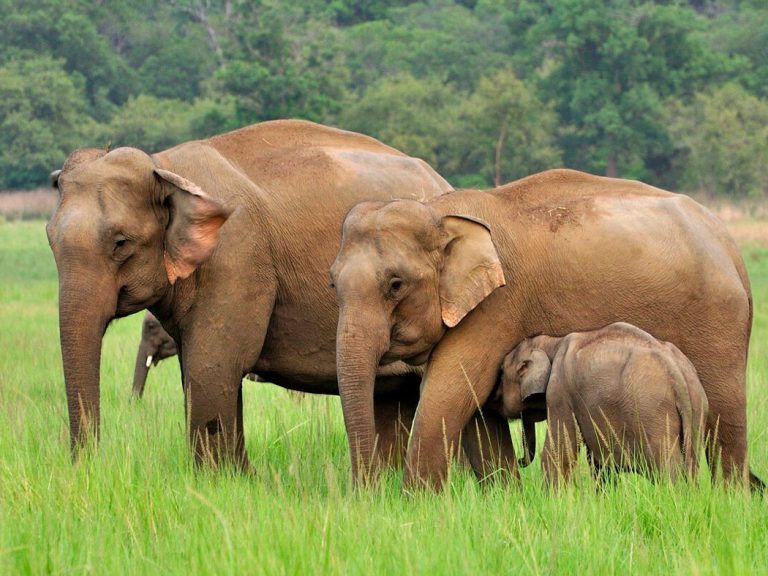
(121, 248)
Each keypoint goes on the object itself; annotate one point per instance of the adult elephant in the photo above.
(228, 242)
(576, 252)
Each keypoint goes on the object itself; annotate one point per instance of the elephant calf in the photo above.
(156, 345)
(636, 401)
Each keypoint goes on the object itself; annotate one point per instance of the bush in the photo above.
(723, 138)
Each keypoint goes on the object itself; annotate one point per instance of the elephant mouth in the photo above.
(416, 359)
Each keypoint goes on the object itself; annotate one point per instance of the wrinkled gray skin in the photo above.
(636, 402)
(458, 281)
(228, 242)
(156, 345)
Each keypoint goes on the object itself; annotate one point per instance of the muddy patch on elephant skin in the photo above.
(555, 217)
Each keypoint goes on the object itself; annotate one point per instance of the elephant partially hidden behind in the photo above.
(636, 402)
(228, 242)
(156, 345)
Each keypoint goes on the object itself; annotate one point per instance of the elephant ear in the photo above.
(471, 267)
(193, 229)
(534, 374)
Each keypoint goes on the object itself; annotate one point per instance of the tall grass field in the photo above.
(138, 506)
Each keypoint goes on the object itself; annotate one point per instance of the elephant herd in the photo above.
(327, 262)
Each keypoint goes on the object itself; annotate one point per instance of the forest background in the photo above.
(669, 92)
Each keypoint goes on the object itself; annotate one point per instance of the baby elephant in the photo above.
(156, 344)
(636, 402)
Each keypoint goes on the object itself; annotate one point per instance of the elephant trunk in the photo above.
(83, 318)
(529, 440)
(360, 345)
(143, 362)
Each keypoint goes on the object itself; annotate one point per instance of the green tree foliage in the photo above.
(724, 139)
(613, 64)
(154, 124)
(512, 132)
(424, 106)
(42, 118)
(283, 64)
(440, 39)
(592, 85)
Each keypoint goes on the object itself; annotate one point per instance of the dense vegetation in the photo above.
(671, 92)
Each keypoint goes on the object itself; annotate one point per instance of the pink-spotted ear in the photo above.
(471, 267)
(193, 229)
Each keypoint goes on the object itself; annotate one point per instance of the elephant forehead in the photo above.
(120, 168)
(403, 220)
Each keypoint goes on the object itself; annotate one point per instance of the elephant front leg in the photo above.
(488, 445)
(215, 425)
(456, 385)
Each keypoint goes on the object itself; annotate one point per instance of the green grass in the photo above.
(137, 506)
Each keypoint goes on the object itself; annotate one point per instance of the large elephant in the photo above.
(636, 402)
(461, 279)
(228, 242)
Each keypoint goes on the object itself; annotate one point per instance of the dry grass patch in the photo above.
(27, 204)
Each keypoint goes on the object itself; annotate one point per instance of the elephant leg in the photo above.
(718, 348)
(219, 349)
(487, 443)
(215, 420)
(394, 417)
(726, 430)
(457, 382)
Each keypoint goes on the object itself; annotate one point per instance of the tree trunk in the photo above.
(499, 148)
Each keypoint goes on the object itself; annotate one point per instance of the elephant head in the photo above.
(403, 275)
(524, 379)
(156, 344)
(124, 231)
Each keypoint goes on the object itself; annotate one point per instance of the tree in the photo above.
(505, 133)
(614, 63)
(42, 118)
(724, 139)
(438, 39)
(282, 64)
(415, 116)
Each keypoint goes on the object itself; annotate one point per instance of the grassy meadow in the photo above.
(137, 505)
